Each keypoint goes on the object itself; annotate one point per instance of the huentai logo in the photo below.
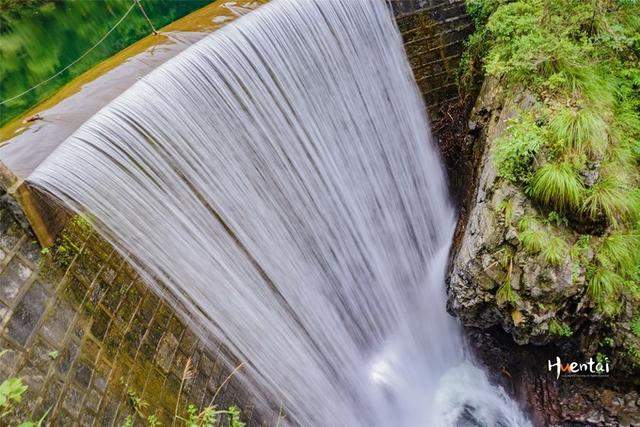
(590, 368)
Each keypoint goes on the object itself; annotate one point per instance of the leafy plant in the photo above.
(11, 391)
(515, 152)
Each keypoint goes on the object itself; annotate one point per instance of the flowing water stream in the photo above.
(278, 184)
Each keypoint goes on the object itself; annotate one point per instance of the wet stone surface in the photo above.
(27, 313)
(84, 333)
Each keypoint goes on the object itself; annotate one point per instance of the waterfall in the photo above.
(277, 183)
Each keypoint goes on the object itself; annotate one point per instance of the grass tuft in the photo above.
(555, 250)
(557, 185)
(620, 251)
(612, 197)
(531, 235)
(603, 287)
(581, 130)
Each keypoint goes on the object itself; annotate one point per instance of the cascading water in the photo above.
(277, 183)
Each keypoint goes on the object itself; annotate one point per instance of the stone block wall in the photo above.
(88, 338)
(434, 34)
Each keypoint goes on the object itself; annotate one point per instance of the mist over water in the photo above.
(278, 184)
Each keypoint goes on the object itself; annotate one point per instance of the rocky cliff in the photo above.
(523, 307)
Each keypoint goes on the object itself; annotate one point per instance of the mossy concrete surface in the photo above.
(88, 337)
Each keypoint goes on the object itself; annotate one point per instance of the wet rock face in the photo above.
(512, 301)
(489, 255)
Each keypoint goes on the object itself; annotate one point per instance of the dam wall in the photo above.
(93, 344)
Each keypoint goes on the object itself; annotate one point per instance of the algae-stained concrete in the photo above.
(87, 337)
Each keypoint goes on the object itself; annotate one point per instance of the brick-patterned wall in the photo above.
(83, 336)
(434, 33)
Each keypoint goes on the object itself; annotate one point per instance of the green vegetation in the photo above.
(559, 329)
(540, 237)
(209, 416)
(506, 207)
(506, 294)
(558, 186)
(514, 154)
(635, 325)
(575, 150)
(11, 393)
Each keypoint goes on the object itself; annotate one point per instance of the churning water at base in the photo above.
(278, 184)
